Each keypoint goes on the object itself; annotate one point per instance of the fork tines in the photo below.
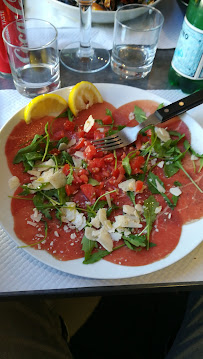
(108, 143)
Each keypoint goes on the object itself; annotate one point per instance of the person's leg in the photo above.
(31, 329)
(188, 343)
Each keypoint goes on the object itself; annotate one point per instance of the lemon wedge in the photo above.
(44, 105)
(82, 96)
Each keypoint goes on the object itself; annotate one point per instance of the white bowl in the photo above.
(102, 17)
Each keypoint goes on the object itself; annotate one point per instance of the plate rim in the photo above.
(44, 257)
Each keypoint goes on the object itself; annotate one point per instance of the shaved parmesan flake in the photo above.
(13, 182)
(128, 185)
(162, 134)
(175, 191)
(160, 164)
(159, 187)
(88, 124)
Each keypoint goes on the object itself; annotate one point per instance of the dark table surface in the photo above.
(151, 82)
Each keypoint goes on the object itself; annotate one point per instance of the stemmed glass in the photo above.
(85, 56)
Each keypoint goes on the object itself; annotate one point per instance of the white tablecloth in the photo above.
(20, 272)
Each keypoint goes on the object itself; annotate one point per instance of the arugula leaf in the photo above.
(136, 240)
(33, 156)
(62, 140)
(47, 141)
(33, 147)
(110, 209)
(131, 195)
(175, 200)
(100, 204)
(84, 164)
(140, 115)
(150, 204)
(65, 157)
(116, 129)
(93, 181)
(170, 168)
(178, 164)
(151, 181)
(126, 165)
(95, 257)
(109, 113)
(169, 203)
(176, 134)
(69, 179)
(160, 106)
(100, 122)
(177, 183)
(187, 145)
(87, 247)
(43, 207)
(201, 164)
(68, 113)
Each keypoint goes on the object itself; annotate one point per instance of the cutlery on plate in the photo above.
(129, 134)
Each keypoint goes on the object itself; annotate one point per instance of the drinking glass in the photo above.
(33, 56)
(85, 56)
(135, 39)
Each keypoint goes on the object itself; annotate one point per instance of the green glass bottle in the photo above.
(186, 71)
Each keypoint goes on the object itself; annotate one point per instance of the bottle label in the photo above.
(188, 56)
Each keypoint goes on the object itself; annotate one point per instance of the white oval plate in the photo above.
(116, 95)
(99, 17)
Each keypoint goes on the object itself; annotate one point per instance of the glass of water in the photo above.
(33, 56)
(136, 34)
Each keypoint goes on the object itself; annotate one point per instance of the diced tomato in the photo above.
(71, 189)
(109, 158)
(115, 173)
(81, 133)
(89, 192)
(98, 135)
(84, 178)
(95, 162)
(58, 135)
(118, 175)
(107, 120)
(140, 140)
(136, 164)
(138, 186)
(121, 174)
(80, 144)
(83, 171)
(69, 126)
(66, 169)
(90, 152)
(76, 178)
(54, 152)
(90, 134)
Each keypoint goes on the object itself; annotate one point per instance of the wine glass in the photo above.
(85, 56)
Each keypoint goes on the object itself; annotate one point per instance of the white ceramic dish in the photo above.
(103, 269)
(99, 17)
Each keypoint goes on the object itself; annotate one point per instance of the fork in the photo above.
(129, 134)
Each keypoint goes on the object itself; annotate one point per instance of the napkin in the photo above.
(68, 27)
(20, 272)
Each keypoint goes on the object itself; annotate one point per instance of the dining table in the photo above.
(23, 275)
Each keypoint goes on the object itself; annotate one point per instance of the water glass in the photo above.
(136, 34)
(33, 56)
